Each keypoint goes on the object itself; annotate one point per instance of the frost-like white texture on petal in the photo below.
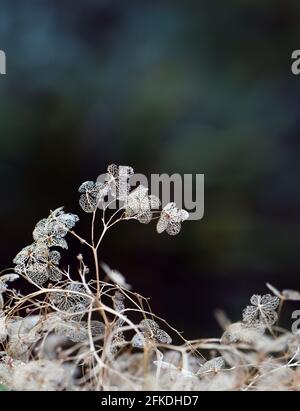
(214, 365)
(138, 341)
(78, 331)
(151, 333)
(117, 181)
(92, 193)
(262, 311)
(140, 205)
(52, 230)
(38, 263)
(171, 219)
(70, 299)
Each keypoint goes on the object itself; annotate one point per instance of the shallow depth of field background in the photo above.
(168, 86)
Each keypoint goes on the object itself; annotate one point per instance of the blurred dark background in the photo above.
(164, 86)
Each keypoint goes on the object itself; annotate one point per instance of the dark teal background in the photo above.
(164, 86)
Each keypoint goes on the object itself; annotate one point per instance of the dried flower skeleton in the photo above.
(75, 330)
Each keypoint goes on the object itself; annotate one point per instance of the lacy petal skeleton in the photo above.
(82, 328)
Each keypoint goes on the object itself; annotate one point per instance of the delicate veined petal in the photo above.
(270, 302)
(139, 204)
(149, 325)
(92, 194)
(151, 333)
(154, 201)
(40, 230)
(173, 228)
(262, 312)
(54, 273)
(61, 220)
(125, 171)
(54, 257)
(163, 337)
(30, 254)
(37, 273)
(145, 218)
(39, 264)
(118, 300)
(170, 219)
(169, 208)
(113, 170)
(239, 332)
(137, 200)
(73, 330)
(214, 365)
(117, 180)
(97, 328)
(118, 342)
(51, 230)
(87, 203)
(20, 269)
(57, 242)
(183, 215)
(78, 331)
(138, 341)
(255, 299)
(162, 224)
(87, 186)
(74, 295)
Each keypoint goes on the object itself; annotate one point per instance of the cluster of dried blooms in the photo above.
(75, 331)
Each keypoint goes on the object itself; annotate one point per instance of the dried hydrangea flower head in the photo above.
(91, 195)
(214, 365)
(38, 263)
(52, 230)
(171, 219)
(71, 299)
(45, 270)
(117, 180)
(78, 331)
(31, 254)
(140, 205)
(115, 276)
(150, 334)
(86, 313)
(262, 311)
(118, 301)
